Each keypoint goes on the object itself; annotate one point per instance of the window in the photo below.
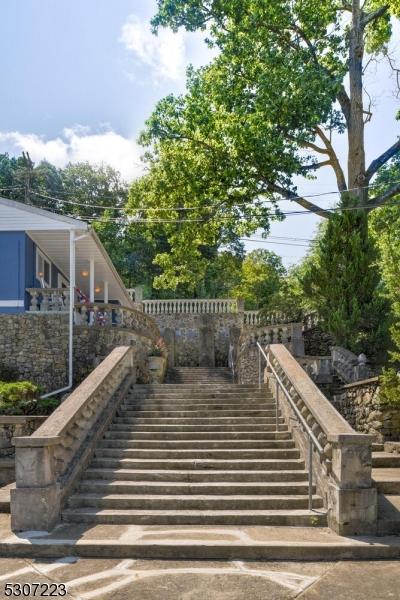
(43, 269)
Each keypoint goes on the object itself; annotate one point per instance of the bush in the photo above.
(17, 398)
(389, 387)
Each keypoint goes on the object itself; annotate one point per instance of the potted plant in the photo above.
(157, 361)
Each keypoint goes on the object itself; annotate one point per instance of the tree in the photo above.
(346, 287)
(385, 229)
(262, 112)
(261, 277)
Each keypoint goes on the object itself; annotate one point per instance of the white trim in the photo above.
(42, 255)
(61, 280)
(11, 303)
(68, 221)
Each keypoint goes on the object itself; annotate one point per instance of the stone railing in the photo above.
(251, 318)
(319, 368)
(289, 334)
(192, 306)
(342, 470)
(49, 462)
(48, 299)
(97, 314)
(348, 366)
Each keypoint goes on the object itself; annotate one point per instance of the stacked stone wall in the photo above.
(317, 342)
(360, 405)
(36, 347)
(199, 339)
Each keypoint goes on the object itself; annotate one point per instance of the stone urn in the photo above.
(157, 368)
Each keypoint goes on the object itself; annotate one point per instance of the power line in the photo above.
(273, 242)
(191, 208)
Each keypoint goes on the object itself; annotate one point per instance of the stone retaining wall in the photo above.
(199, 339)
(360, 406)
(317, 342)
(36, 346)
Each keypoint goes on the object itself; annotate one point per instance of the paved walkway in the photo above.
(127, 579)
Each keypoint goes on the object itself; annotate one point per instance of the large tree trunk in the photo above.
(356, 156)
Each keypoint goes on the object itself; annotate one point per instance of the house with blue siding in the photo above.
(42, 253)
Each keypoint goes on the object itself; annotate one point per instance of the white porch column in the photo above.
(91, 280)
(72, 284)
(106, 292)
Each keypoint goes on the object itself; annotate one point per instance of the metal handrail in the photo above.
(312, 439)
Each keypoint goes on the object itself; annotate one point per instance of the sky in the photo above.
(80, 77)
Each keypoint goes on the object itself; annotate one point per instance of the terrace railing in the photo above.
(192, 306)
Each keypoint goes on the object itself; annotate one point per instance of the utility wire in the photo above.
(189, 208)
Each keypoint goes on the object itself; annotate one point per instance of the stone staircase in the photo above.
(386, 474)
(198, 450)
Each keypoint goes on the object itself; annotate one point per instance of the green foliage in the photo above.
(345, 285)
(389, 392)
(18, 397)
(261, 277)
(385, 229)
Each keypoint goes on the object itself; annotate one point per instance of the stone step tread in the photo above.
(179, 436)
(194, 473)
(200, 513)
(224, 486)
(222, 463)
(199, 444)
(235, 464)
(142, 412)
(199, 451)
(194, 497)
(185, 429)
(386, 473)
(230, 542)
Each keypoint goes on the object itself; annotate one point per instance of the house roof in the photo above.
(50, 232)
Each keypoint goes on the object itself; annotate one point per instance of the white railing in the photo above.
(191, 306)
(48, 299)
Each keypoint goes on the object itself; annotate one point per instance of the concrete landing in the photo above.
(190, 542)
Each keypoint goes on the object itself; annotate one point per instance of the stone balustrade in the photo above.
(48, 299)
(49, 461)
(349, 366)
(98, 314)
(343, 471)
(192, 306)
(251, 318)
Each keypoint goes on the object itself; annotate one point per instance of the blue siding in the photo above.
(12, 269)
(18, 269)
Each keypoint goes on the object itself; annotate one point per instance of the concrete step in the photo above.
(166, 436)
(202, 542)
(201, 398)
(169, 444)
(115, 486)
(193, 464)
(377, 447)
(388, 514)
(200, 405)
(164, 388)
(195, 414)
(385, 460)
(387, 480)
(198, 421)
(293, 518)
(121, 424)
(195, 476)
(197, 454)
(191, 502)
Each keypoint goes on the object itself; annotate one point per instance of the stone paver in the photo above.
(128, 579)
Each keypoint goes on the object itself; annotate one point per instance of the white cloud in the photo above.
(78, 144)
(164, 53)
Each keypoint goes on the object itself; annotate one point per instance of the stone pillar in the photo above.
(36, 501)
(352, 497)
